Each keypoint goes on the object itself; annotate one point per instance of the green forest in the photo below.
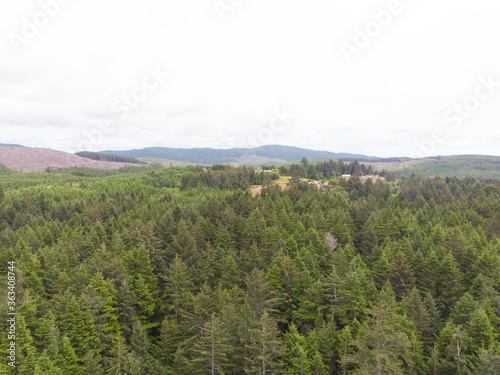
(108, 157)
(177, 270)
(479, 167)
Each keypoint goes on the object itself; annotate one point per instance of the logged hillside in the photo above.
(181, 271)
(27, 159)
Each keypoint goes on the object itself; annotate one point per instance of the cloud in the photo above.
(228, 76)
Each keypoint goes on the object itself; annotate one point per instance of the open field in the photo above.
(282, 182)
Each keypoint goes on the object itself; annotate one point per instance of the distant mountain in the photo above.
(258, 155)
(10, 145)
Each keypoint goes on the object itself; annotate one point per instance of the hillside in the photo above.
(27, 159)
(259, 155)
(479, 167)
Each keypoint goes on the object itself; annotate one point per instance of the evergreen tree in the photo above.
(78, 326)
(480, 331)
(259, 294)
(382, 343)
(69, 360)
(401, 275)
(211, 348)
(265, 347)
(178, 289)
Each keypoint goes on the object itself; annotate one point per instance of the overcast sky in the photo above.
(78, 74)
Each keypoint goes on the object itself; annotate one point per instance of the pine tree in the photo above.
(69, 360)
(55, 345)
(488, 362)
(463, 309)
(253, 259)
(450, 283)
(401, 275)
(230, 272)
(331, 288)
(383, 346)
(41, 334)
(259, 294)
(312, 305)
(78, 326)
(44, 366)
(419, 315)
(145, 297)
(127, 313)
(28, 365)
(108, 293)
(139, 342)
(381, 269)
(211, 348)
(480, 331)
(184, 244)
(434, 312)
(452, 345)
(265, 347)
(296, 352)
(170, 337)
(178, 288)
(118, 358)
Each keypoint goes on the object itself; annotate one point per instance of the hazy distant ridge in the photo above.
(269, 154)
(10, 145)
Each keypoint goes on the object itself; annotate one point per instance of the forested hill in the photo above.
(263, 154)
(184, 271)
(9, 145)
(479, 167)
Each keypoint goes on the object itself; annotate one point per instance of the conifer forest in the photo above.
(185, 270)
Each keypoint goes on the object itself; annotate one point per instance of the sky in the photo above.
(382, 78)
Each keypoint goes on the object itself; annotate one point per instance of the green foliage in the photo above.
(180, 271)
(472, 166)
(4, 170)
(108, 157)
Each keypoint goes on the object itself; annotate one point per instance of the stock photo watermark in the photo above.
(11, 313)
(280, 120)
(123, 107)
(31, 26)
(222, 7)
(363, 36)
(456, 116)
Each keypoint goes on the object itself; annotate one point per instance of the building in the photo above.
(257, 169)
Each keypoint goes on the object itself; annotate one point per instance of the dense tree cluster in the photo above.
(108, 157)
(226, 177)
(180, 271)
(325, 169)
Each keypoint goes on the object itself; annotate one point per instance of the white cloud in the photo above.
(229, 75)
